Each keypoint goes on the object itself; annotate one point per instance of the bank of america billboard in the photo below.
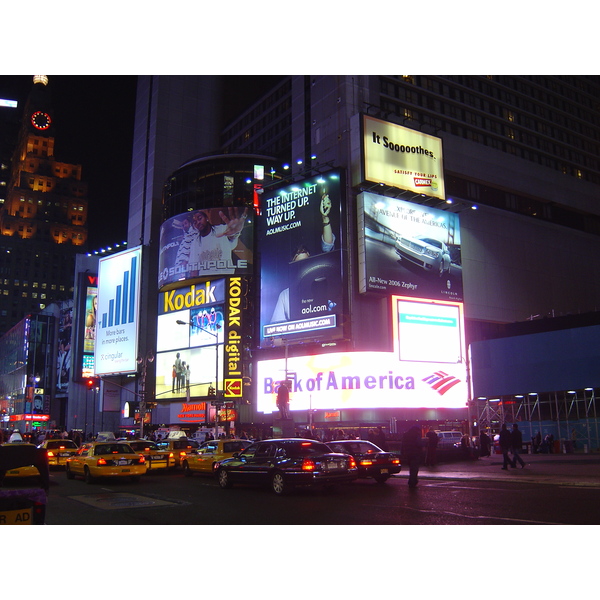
(214, 242)
(301, 260)
(402, 157)
(425, 369)
(408, 249)
(118, 312)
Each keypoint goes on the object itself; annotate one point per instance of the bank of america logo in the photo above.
(441, 382)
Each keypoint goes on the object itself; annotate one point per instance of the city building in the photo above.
(520, 172)
(43, 219)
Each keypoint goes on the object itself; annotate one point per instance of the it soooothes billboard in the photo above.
(426, 369)
(301, 262)
(402, 158)
(118, 312)
(409, 249)
(206, 243)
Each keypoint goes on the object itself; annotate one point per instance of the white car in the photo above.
(428, 253)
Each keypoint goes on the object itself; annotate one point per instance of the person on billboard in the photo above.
(190, 235)
(216, 242)
(281, 312)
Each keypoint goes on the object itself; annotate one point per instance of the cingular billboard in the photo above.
(301, 261)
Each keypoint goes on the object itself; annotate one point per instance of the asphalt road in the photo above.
(173, 499)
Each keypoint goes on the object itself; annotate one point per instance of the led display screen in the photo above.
(189, 354)
(426, 369)
(206, 243)
(408, 249)
(301, 261)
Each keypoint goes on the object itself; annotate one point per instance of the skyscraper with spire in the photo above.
(43, 221)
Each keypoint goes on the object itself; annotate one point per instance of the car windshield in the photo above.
(432, 242)
(234, 446)
(113, 449)
(357, 447)
(61, 444)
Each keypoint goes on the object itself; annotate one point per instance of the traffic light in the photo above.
(211, 390)
(92, 382)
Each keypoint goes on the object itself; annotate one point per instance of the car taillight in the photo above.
(352, 463)
(50, 453)
(170, 455)
(366, 463)
(101, 461)
(182, 453)
(395, 461)
(142, 459)
(308, 465)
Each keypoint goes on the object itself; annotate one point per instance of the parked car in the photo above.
(156, 458)
(449, 439)
(286, 463)
(105, 459)
(58, 450)
(206, 458)
(428, 253)
(371, 460)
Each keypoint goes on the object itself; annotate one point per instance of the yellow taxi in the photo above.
(208, 456)
(106, 459)
(58, 450)
(25, 471)
(155, 457)
(180, 447)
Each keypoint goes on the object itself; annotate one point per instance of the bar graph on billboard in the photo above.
(118, 302)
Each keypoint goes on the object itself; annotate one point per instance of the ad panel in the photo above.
(117, 313)
(90, 287)
(426, 369)
(402, 158)
(361, 380)
(301, 261)
(206, 243)
(189, 354)
(408, 249)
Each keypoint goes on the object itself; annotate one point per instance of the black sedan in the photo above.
(286, 463)
(370, 459)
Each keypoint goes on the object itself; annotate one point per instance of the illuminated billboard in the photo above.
(426, 369)
(301, 261)
(189, 354)
(90, 287)
(118, 312)
(206, 243)
(402, 158)
(409, 249)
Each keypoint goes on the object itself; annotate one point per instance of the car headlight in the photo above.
(431, 253)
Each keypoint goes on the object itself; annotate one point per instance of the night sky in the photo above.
(102, 107)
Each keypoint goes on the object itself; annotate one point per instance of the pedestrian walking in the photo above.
(432, 443)
(485, 444)
(516, 441)
(505, 446)
(412, 453)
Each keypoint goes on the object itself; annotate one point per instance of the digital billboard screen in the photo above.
(408, 249)
(117, 312)
(206, 243)
(426, 368)
(301, 260)
(189, 354)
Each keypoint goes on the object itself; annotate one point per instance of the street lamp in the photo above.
(216, 336)
(143, 361)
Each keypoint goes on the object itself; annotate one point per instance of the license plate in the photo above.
(64, 454)
(383, 471)
(16, 517)
(125, 470)
(123, 462)
(332, 466)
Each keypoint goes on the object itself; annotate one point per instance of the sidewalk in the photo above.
(556, 469)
